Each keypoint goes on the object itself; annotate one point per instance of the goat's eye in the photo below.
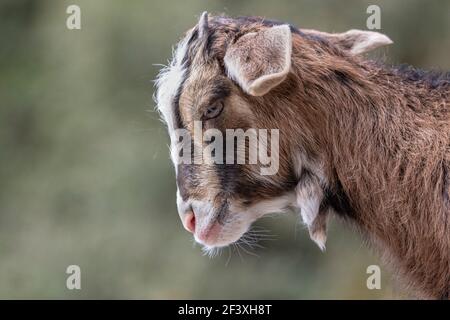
(213, 111)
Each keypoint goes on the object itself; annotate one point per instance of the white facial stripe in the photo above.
(168, 83)
(275, 205)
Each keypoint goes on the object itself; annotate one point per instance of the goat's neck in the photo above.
(384, 143)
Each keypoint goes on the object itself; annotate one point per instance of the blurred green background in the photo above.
(85, 176)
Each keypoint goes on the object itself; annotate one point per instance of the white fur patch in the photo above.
(279, 204)
(168, 83)
(238, 220)
(309, 196)
(308, 201)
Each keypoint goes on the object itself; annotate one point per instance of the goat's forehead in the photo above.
(187, 81)
(193, 71)
(188, 62)
(202, 81)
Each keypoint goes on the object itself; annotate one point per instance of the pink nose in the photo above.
(189, 222)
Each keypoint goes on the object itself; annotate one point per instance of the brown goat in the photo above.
(366, 142)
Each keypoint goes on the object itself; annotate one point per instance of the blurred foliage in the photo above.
(85, 176)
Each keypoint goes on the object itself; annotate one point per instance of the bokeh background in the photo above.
(85, 176)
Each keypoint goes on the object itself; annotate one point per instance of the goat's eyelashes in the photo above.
(213, 111)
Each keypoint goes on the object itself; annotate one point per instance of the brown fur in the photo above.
(381, 136)
(387, 140)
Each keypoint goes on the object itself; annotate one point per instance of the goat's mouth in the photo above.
(217, 235)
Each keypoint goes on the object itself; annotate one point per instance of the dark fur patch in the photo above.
(176, 105)
(337, 199)
(187, 179)
(433, 79)
(343, 78)
(222, 212)
(186, 62)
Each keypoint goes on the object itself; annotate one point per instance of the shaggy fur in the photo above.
(374, 139)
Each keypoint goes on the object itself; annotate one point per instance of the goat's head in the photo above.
(237, 74)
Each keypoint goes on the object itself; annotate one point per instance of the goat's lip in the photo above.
(209, 234)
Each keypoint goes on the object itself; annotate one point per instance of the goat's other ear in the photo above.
(354, 41)
(259, 61)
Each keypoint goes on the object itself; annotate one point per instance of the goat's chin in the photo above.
(222, 242)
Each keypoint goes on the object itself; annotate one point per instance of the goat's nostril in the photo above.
(189, 222)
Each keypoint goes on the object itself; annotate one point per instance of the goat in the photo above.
(360, 140)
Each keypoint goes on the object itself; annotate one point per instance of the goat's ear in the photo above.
(259, 61)
(359, 41)
(355, 41)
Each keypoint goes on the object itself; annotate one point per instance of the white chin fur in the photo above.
(239, 221)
